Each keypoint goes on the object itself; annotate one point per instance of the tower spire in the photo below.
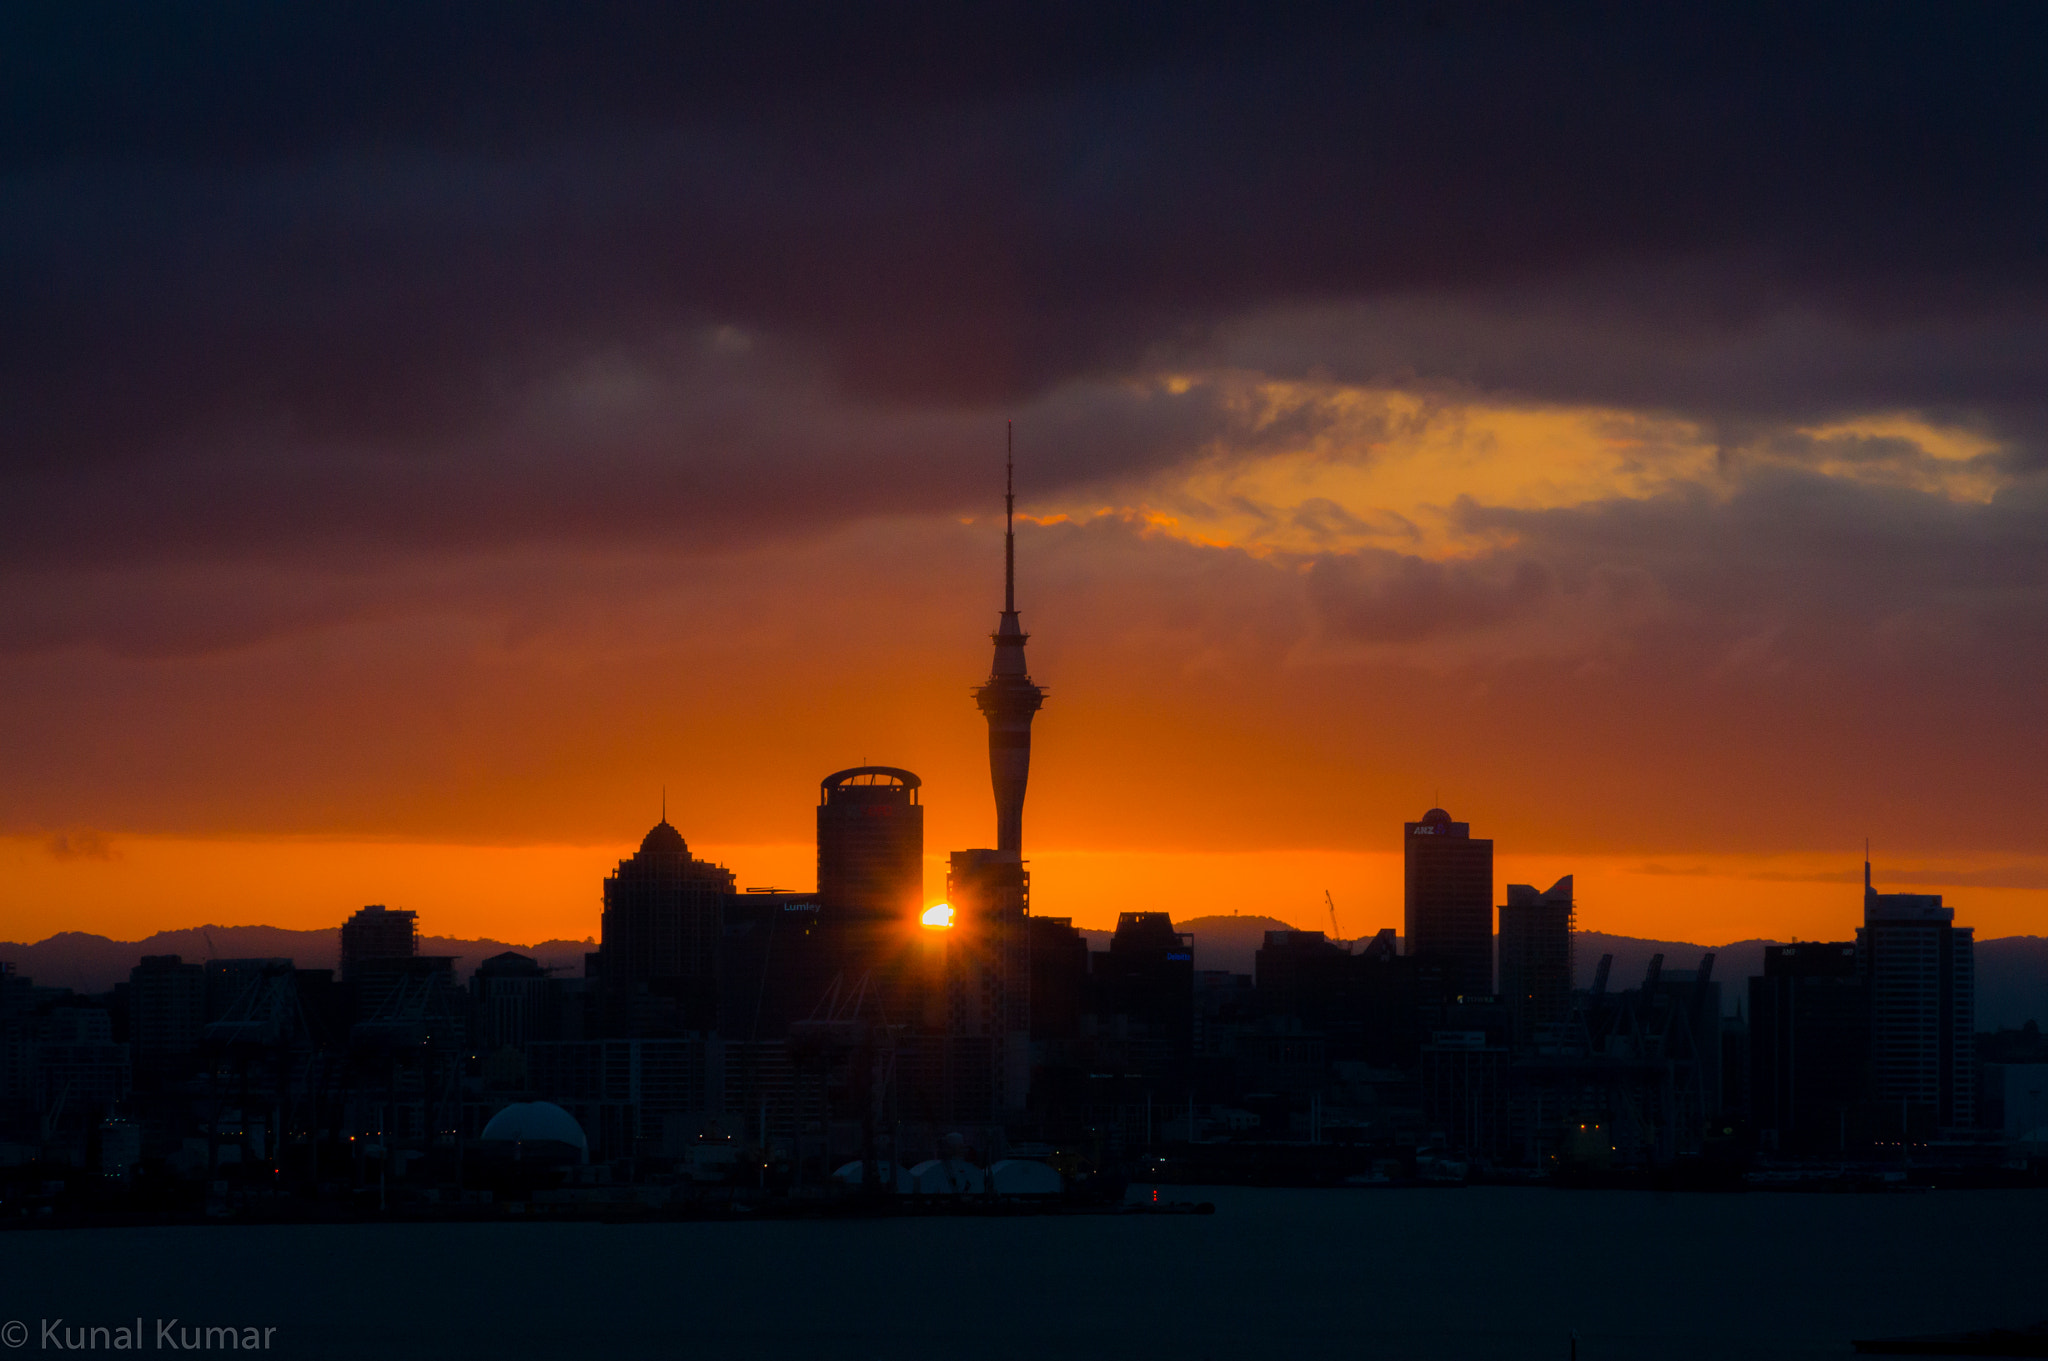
(1009, 517)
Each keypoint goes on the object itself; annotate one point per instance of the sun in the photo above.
(938, 917)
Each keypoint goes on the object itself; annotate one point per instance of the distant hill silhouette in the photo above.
(2012, 972)
(89, 963)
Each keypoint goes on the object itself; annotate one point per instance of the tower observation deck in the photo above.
(1009, 699)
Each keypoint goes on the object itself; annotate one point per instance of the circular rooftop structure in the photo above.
(1437, 815)
(870, 784)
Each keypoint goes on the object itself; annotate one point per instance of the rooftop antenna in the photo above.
(1009, 517)
(664, 803)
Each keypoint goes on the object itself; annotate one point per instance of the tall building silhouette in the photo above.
(377, 932)
(988, 983)
(870, 847)
(1536, 955)
(1921, 970)
(664, 912)
(1809, 1047)
(870, 887)
(1448, 914)
(1009, 699)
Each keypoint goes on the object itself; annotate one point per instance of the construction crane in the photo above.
(1334, 934)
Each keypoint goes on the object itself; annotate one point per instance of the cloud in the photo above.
(1392, 599)
(80, 843)
(432, 420)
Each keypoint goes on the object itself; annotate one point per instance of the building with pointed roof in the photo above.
(657, 957)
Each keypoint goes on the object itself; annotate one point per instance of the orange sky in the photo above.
(1261, 659)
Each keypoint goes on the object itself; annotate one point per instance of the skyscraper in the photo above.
(1809, 1047)
(657, 955)
(166, 1010)
(376, 932)
(870, 887)
(988, 982)
(1449, 900)
(870, 847)
(1536, 955)
(1921, 970)
(1009, 699)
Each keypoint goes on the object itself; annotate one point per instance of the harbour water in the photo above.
(1444, 1275)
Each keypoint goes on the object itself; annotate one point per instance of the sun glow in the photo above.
(939, 917)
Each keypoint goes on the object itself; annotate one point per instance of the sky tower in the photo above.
(1009, 698)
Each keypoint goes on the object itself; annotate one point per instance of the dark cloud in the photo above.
(357, 364)
(1390, 598)
(388, 225)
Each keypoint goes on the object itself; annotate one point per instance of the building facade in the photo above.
(377, 932)
(870, 848)
(1448, 899)
(657, 959)
(1536, 955)
(1809, 1048)
(1921, 970)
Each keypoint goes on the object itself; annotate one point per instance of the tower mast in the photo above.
(1009, 517)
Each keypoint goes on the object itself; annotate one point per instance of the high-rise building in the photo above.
(988, 979)
(1009, 699)
(1809, 1047)
(1449, 899)
(1536, 955)
(377, 932)
(228, 979)
(664, 912)
(1921, 969)
(166, 1010)
(511, 993)
(1145, 997)
(870, 848)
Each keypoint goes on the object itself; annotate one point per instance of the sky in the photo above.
(432, 434)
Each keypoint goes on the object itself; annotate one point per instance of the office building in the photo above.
(870, 848)
(1307, 975)
(377, 932)
(228, 979)
(1145, 999)
(1921, 970)
(166, 1011)
(664, 913)
(511, 992)
(1536, 956)
(1809, 1048)
(1448, 899)
(988, 974)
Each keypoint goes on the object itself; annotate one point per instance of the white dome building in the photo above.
(1024, 1177)
(947, 1177)
(541, 1126)
(892, 1176)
